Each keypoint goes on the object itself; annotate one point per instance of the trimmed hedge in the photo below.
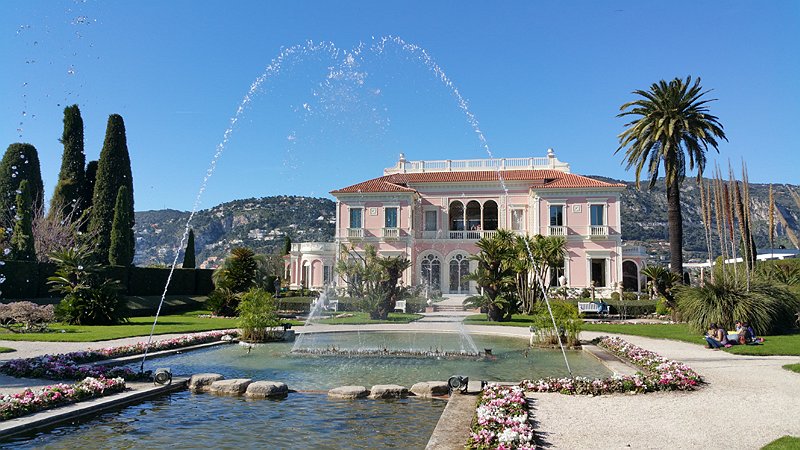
(25, 280)
(21, 279)
(151, 281)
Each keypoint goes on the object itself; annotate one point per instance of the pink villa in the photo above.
(433, 213)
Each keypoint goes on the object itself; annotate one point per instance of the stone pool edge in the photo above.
(57, 416)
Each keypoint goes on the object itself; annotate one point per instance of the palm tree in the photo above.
(535, 256)
(495, 276)
(671, 125)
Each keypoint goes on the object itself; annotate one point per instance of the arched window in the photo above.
(630, 276)
(473, 215)
(459, 269)
(431, 272)
(456, 214)
(490, 215)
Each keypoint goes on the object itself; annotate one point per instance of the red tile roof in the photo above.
(543, 179)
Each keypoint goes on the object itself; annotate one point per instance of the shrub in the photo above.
(258, 319)
(89, 298)
(223, 302)
(661, 307)
(767, 306)
(26, 316)
(567, 320)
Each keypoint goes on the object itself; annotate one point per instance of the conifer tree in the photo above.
(113, 171)
(70, 192)
(22, 240)
(20, 162)
(188, 256)
(121, 251)
(287, 245)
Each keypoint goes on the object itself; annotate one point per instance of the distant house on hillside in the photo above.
(433, 213)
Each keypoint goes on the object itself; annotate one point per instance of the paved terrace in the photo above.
(748, 402)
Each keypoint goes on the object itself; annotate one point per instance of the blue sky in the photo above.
(535, 74)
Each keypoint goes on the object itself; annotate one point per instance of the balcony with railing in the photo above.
(556, 230)
(634, 250)
(598, 231)
(470, 235)
(391, 233)
(471, 165)
(355, 233)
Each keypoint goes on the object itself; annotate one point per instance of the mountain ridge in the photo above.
(262, 223)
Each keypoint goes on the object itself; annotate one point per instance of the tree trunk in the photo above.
(675, 221)
(494, 313)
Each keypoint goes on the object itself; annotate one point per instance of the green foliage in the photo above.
(188, 255)
(151, 281)
(768, 307)
(88, 188)
(662, 309)
(287, 245)
(568, 323)
(535, 255)
(223, 302)
(663, 282)
(242, 270)
(258, 318)
(373, 281)
(70, 193)
(671, 125)
(89, 297)
(22, 247)
(121, 251)
(113, 171)
(784, 443)
(495, 275)
(20, 162)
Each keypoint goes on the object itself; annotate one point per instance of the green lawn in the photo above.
(187, 322)
(788, 344)
(784, 443)
(793, 367)
(6, 350)
(361, 318)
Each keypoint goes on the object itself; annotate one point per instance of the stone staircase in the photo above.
(448, 308)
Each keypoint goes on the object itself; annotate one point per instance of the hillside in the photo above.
(644, 216)
(257, 223)
(262, 223)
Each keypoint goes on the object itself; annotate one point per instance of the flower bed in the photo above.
(660, 374)
(501, 420)
(75, 365)
(30, 401)
(164, 344)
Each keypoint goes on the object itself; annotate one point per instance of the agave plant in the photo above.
(768, 307)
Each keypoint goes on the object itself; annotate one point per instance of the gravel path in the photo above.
(759, 399)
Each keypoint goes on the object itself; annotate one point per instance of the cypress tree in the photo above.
(188, 255)
(70, 192)
(121, 251)
(287, 245)
(22, 240)
(113, 171)
(20, 162)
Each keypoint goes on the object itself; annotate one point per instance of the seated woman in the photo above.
(716, 337)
